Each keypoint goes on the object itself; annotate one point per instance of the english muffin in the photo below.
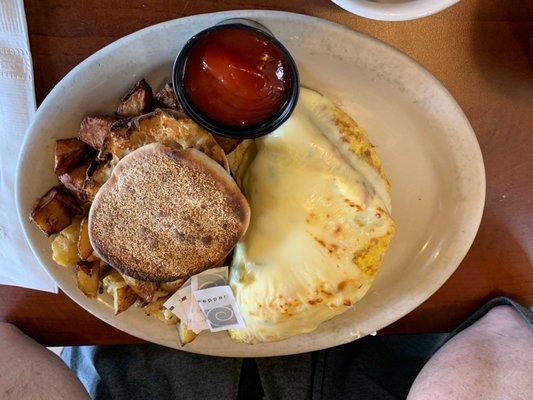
(165, 214)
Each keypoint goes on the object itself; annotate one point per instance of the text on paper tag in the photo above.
(220, 308)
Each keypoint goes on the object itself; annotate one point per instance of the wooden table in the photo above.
(478, 49)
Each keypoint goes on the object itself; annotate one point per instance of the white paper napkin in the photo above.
(18, 265)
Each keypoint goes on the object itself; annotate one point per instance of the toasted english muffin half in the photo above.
(164, 126)
(166, 214)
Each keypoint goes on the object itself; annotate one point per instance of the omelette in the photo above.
(320, 222)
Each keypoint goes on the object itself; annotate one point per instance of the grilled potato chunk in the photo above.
(156, 309)
(69, 153)
(144, 290)
(185, 335)
(84, 244)
(113, 280)
(123, 295)
(72, 231)
(74, 180)
(64, 245)
(94, 129)
(166, 97)
(105, 269)
(227, 144)
(54, 211)
(123, 298)
(97, 174)
(136, 101)
(87, 277)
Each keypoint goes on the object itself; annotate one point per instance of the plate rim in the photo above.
(475, 220)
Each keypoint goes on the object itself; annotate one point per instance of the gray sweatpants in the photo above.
(381, 367)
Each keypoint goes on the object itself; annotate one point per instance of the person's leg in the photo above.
(492, 359)
(30, 371)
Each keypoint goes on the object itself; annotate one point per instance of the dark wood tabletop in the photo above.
(478, 49)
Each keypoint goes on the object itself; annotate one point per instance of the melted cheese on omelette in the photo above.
(320, 222)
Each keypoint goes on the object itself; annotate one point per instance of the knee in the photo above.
(8, 331)
(490, 358)
(504, 319)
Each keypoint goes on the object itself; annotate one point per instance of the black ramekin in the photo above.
(214, 126)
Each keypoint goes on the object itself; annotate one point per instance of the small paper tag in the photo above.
(220, 308)
(210, 278)
(178, 302)
(184, 306)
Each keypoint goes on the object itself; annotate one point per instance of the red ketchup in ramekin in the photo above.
(236, 76)
(236, 81)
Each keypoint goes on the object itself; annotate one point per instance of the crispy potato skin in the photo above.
(136, 101)
(167, 98)
(123, 299)
(227, 144)
(74, 180)
(94, 129)
(69, 153)
(97, 174)
(144, 289)
(54, 211)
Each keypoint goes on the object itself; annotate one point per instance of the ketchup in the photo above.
(236, 77)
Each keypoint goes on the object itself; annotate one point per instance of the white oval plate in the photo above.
(425, 141)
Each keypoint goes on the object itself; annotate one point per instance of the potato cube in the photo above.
(185, 335)
(54, 211)
(227, 144)
(87, 277)
(156, 309)
(123, 298)
(74, 180)
(123, 295)
(94, 130)
(145, 290)
(98, 173)
(167, 98)
(84, 244)
(136, 101)
(69, 153)
(64, 245)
